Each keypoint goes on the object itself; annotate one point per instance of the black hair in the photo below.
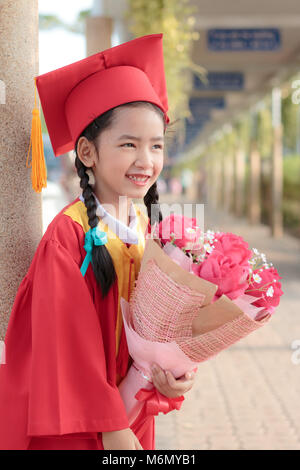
(102, 263)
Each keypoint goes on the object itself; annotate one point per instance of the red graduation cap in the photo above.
(74, 95)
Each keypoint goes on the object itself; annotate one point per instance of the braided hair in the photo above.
(102, 263)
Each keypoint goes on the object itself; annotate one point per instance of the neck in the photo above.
(118, 207)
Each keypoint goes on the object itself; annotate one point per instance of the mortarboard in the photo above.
(73, 96)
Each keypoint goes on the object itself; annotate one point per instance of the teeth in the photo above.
(138, 179)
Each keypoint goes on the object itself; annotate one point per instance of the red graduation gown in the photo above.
(58, 387)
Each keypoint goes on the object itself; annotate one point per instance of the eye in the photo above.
(158, 145)
(127, 143)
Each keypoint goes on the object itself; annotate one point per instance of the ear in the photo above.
(86, 152)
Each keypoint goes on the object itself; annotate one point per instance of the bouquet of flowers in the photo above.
(196, 294)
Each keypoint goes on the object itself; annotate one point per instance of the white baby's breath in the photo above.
(257, 278)
(270, 291)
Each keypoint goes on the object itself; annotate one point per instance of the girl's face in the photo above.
(134, 145)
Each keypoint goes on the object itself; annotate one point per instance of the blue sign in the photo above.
(201, 105)
(194, 126)
(220, 81)
(240, 39)
(192, 130)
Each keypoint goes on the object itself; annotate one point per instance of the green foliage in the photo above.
(242, 127)
(192, 164)
(52, 21)
(290, 122)
(264, 132)
(79, 25)
(49, 22)
(291, 177)
(174, 19)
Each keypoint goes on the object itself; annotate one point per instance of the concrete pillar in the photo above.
(228, 182)
(254, 210)
(98, 34)
(277, 164)
(219, 180)
(208, 171)
(21, 224)
(277, 183)
(199, 184)
(222, 180)
(239, 200)
(215, 180)
(107, 26)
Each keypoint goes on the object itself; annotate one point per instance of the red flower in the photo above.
(222, 271)
(227, 265)
(268, 289)
(233, 246)
(184, 229)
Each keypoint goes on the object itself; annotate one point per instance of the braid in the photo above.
(150, 198)
(89, 199)
(102, 263)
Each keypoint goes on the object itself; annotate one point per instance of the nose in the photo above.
(144, 160)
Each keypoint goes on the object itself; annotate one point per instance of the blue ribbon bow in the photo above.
(93, 237)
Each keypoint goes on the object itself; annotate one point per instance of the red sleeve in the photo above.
(68, 387)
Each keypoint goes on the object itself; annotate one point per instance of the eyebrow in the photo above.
(132, 137)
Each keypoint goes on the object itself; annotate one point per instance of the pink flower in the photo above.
(268, 289)
(227, 265)
(221, 270)
(233, 246)
(184, 229)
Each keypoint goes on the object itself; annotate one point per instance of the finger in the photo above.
(159, 375)
(190, 375)
(181, 386)
(171, 379)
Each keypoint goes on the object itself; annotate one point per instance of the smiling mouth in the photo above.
(138, 181)
(141, 179)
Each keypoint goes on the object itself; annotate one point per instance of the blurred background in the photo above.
(233, 80)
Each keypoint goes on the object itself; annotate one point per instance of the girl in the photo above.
(66, 349)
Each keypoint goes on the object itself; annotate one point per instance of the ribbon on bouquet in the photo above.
(155, 402)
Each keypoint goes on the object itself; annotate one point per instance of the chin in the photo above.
(139, 193)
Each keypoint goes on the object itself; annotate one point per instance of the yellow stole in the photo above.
(127, 261)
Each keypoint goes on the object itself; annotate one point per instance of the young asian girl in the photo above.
(66, 349)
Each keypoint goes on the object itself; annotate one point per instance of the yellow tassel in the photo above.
(38, 164)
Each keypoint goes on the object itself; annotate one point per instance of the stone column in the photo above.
(208, 172)
(228, 181)
(239, 200)
(21, 226)
(107, 26)
(277, 166)
(215, 180)
(254, 210)
(98, 34)
(222, 180)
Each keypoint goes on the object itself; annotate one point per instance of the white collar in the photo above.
(128, 234)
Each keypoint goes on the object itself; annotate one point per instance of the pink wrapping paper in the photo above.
(144, 353)
(171, 320)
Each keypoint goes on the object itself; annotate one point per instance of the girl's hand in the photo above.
(167, 385)
(124, 439)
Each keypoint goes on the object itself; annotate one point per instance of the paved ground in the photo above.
(247, 397)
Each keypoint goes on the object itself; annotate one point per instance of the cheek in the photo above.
(159, 164)
(113, 168)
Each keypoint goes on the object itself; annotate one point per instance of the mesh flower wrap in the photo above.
(162, 310)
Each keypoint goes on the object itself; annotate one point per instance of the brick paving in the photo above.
(247, 397)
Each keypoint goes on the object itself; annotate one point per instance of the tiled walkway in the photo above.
(247, 397)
